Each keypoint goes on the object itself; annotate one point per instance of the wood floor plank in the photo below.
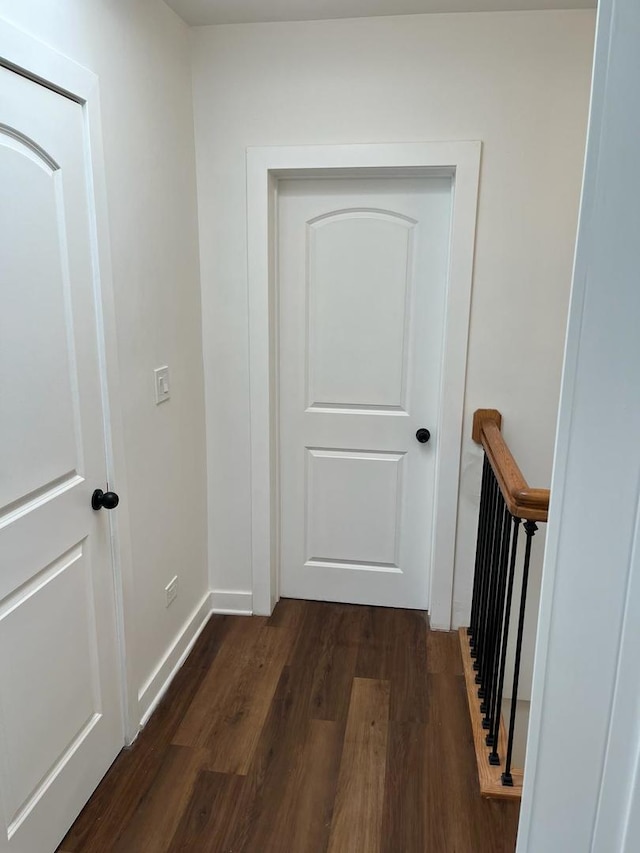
(210, 814)
(393, 648)
(404, 824)
(158, 815)
(305, 821)
(357, 819)
(209, 642)
(289, 613)
(298, 816)
(133, 772)
(278, 752)
(220, 679)
(233, 737)
(443, 652)
(460, 820)
(376, 643)
(229, 711)
(408, 674)
(335, 663)
(309, 637)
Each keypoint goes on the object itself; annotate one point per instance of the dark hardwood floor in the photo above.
(326, 727)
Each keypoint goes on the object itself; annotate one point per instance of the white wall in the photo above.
(582, 786)
(517, 81)
(141, 53)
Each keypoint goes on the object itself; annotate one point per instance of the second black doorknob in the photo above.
(423, 435)
(104, 500)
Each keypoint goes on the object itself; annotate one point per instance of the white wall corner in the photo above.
(235, 602)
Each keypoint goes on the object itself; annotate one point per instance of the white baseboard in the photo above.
(461, 613)
(156, 686)
(231, 601)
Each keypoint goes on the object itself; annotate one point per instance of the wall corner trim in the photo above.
(236, 602)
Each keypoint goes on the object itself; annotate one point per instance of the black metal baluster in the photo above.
(488, 563)
(488, 521)
(486, 569)
(499, 515)
(482, 531)
(530, 529)
(491, 614)
(488, 638)
(492, 709)
(492, 488)
(494, 758)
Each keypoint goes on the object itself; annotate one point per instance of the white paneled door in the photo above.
(60, 709)
(362, 273)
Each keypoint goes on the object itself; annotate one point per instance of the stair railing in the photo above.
(509, 509)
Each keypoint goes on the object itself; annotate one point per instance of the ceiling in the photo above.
(199, 12)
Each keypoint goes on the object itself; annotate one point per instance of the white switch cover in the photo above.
(161, 377)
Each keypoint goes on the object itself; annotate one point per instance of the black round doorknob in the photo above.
(423, 435)
(104, 500)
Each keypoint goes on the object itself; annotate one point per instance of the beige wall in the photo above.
(517, 81)
(140, 51)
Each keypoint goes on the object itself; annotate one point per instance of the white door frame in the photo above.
(21, 52)
(461, 161)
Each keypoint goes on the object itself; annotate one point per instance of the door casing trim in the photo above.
(26, 55)
(265, 166)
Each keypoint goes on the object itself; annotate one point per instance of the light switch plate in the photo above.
(161, 382)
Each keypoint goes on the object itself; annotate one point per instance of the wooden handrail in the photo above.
(522, 501)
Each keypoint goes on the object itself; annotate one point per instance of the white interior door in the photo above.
(362, 271)
(60, 710)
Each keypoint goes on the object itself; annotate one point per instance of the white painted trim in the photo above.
(558, 489)
(584, 735)
(234, 602)
(25, 54)
(158, 683)
(264, 167)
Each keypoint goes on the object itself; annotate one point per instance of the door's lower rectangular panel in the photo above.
(353, 507)
(48, 660)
